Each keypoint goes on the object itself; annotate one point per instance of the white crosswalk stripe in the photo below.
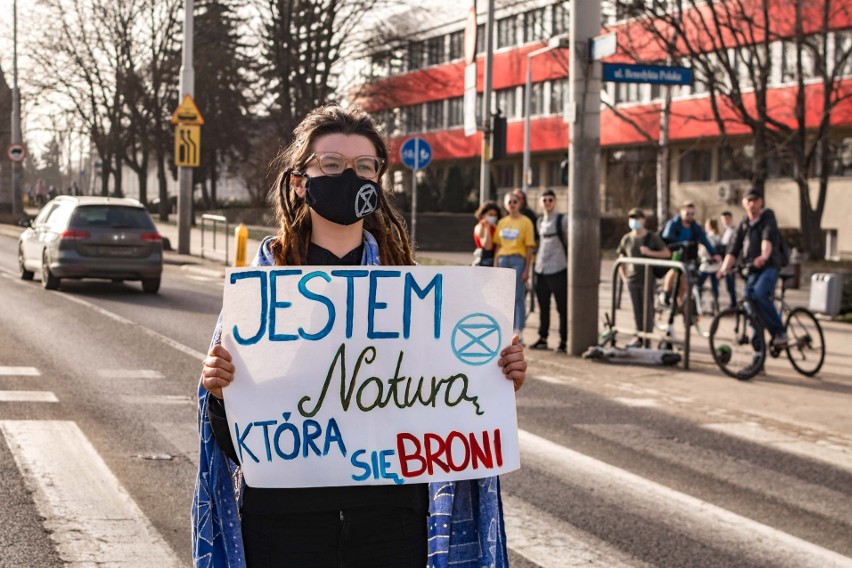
(147, 374)
(19, 372)
(756, 542)
(91, 517)
(27, 396)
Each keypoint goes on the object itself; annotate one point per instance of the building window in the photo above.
(627, 93)
(560, 19)
(506, 102)
(631, 175)
(843, 48)
(480, 38)
(435, 50)
(788, 62)
(534, 25)
(456, 46)
(840, 157)
(455, 114)
(415, 55)
(387, 120)
(435, 115)
(557, 96)
(554, 169)
(537, 99)
(735, 163)
(695, 165)
(506, 32)
(413, 117)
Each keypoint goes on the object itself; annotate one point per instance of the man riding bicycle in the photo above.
(757, 242)
(679, 232)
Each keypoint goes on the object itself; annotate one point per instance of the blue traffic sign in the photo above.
(654, 74)
(416, 153)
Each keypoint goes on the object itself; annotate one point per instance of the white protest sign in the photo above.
(369, 375)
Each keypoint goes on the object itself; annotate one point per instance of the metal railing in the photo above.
(215, 220)
(648, 300)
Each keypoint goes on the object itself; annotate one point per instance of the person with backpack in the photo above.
(639, 243)
(761, 246)
(551, 270)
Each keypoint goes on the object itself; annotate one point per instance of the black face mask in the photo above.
(342, 199)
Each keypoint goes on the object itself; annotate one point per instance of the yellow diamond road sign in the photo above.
(187, 113)
(188, 145)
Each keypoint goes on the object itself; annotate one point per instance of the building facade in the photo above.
(416, 88)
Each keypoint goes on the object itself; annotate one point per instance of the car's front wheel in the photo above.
(151, 285)
(25, 274)
(48, 280)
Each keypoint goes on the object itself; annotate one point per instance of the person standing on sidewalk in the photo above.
(640, 243)
(483, 233)
(729, 231)
(515, 240)
(551, 270)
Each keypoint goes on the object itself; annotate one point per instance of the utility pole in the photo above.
(584, 208)
(17, 135)
(187, 86)
(485, 166)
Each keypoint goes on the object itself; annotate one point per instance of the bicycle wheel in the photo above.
(806, 348)
(737, 343)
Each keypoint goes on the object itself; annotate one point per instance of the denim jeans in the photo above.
(731, 285)
(517, 263)
(760, 289)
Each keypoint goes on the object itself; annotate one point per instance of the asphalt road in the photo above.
(606, 480)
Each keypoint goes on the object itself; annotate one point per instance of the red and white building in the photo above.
(417, 89)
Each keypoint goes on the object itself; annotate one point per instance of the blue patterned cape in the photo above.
(465, 524)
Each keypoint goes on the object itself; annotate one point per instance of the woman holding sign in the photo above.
(331, 210)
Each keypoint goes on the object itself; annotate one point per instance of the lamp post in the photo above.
(187, 86)
(17, 137)
(557, 42)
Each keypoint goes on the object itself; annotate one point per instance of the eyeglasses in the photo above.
(547, 199)
(689, 213)
(334, 164)
(513, 202)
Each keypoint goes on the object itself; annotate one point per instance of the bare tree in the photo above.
(730, 45)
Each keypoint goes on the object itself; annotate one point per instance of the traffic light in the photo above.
(498, 136)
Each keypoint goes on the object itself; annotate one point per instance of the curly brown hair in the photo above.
(293, 213)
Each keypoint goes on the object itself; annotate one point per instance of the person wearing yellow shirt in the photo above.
(515, 240)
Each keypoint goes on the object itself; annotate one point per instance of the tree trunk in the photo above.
(118, 176)
(106, 172)
(163, 192)
(143, 180)
(812, 240)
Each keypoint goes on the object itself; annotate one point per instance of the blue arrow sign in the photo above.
(415, 153)
(653, 74)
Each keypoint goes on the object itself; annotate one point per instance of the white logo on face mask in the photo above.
(366, 201)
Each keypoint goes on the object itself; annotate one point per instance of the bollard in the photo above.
(241, 240)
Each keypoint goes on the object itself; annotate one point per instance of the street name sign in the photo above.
(187, 113)
(416, 153)
(653, 74)
(16, 152)
(603, 46)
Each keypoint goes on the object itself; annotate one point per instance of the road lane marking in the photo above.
(89, 514)
(805, 495)
(130, 374)
(27, 396)
(550, 542)
(19, 372)
(759, 544)
(825, 451)
(637, 402)
(168, 399)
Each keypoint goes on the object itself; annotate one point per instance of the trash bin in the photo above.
(826, 291)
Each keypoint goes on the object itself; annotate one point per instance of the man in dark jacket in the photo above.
(758, 243)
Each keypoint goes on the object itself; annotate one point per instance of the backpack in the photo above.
(657, 271)
(783, 257)
(559, 232)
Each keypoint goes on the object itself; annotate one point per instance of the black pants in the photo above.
(556, 285)
(639, 297)
(374, 537)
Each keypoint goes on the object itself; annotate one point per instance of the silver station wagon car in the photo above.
(92, 237)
